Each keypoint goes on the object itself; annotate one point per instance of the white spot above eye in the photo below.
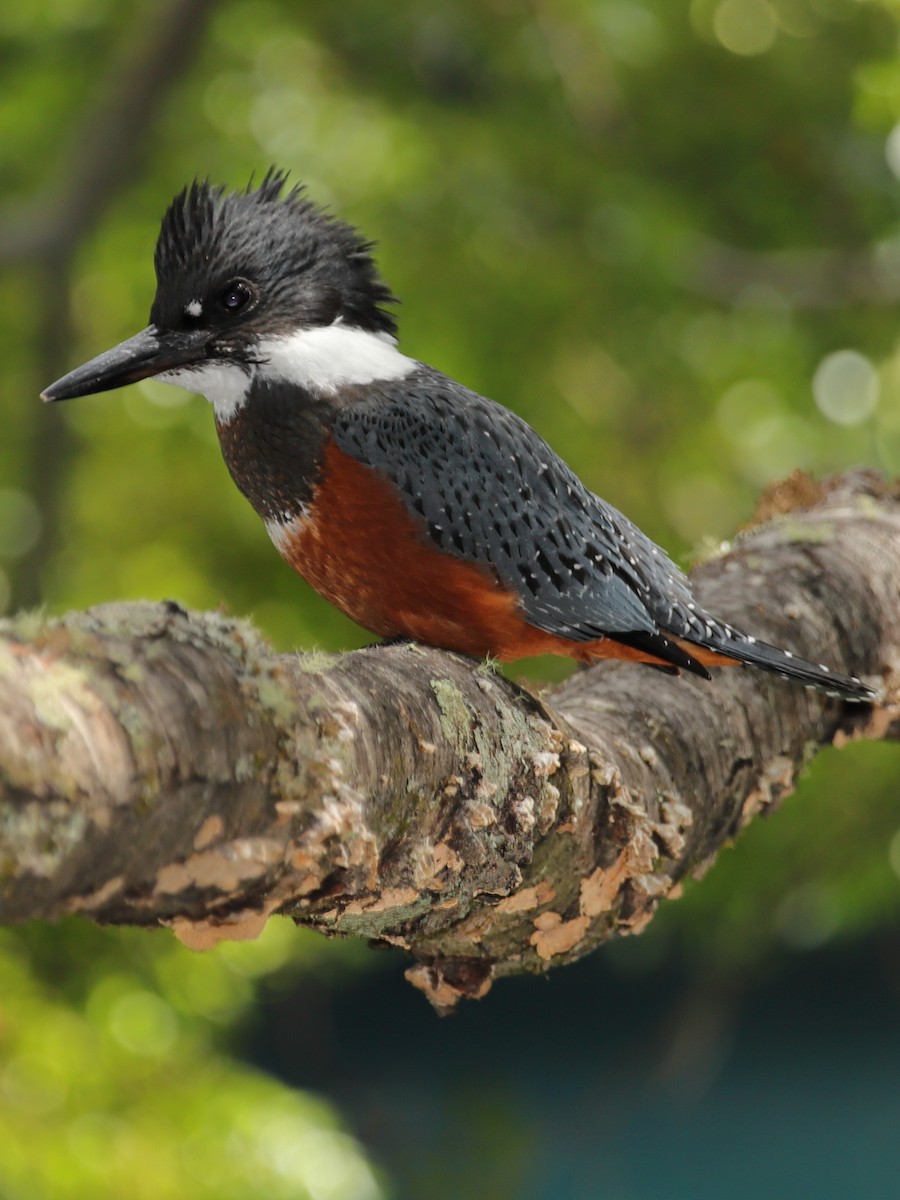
(326, 359)
(193, 308)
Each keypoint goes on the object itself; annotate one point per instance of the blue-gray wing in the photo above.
(489, 490)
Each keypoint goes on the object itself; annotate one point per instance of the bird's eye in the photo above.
(235, 296)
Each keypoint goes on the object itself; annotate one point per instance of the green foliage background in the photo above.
(644, 225)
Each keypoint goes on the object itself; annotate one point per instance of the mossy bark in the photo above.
(160, 766)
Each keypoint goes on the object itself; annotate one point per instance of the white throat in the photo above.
(320, 360)
(325, 359)
(224, 384)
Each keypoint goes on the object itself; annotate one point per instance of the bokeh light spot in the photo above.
(745, 27)
(95, 1139)
(632, 33)
(143, 1023)
(846, 387)
(31, 1085)
(894, 853)
(20, 523)
(323, 1158)
(702, 506)
(807, 917)
(745, 407)
(892, 150)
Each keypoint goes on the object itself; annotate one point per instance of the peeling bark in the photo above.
(160, 766)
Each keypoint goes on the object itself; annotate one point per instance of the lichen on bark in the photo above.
(164, 766)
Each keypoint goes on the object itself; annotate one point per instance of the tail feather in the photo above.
(765, 657)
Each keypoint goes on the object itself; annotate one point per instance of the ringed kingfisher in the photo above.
(418, 507)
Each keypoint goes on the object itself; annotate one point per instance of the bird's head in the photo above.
(240, 274)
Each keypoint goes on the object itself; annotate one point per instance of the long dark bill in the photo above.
(150, 352)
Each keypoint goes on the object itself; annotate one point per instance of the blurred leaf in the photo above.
(119, 1093)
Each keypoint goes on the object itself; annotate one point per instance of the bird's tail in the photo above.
(724, 639)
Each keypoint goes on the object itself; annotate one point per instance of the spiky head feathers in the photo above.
(298, 262)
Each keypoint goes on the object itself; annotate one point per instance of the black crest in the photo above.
(276, 237)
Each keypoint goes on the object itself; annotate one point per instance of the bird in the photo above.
(421, 509)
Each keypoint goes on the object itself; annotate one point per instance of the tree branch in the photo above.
(109, 138)
(162, 766)
(103, 154)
